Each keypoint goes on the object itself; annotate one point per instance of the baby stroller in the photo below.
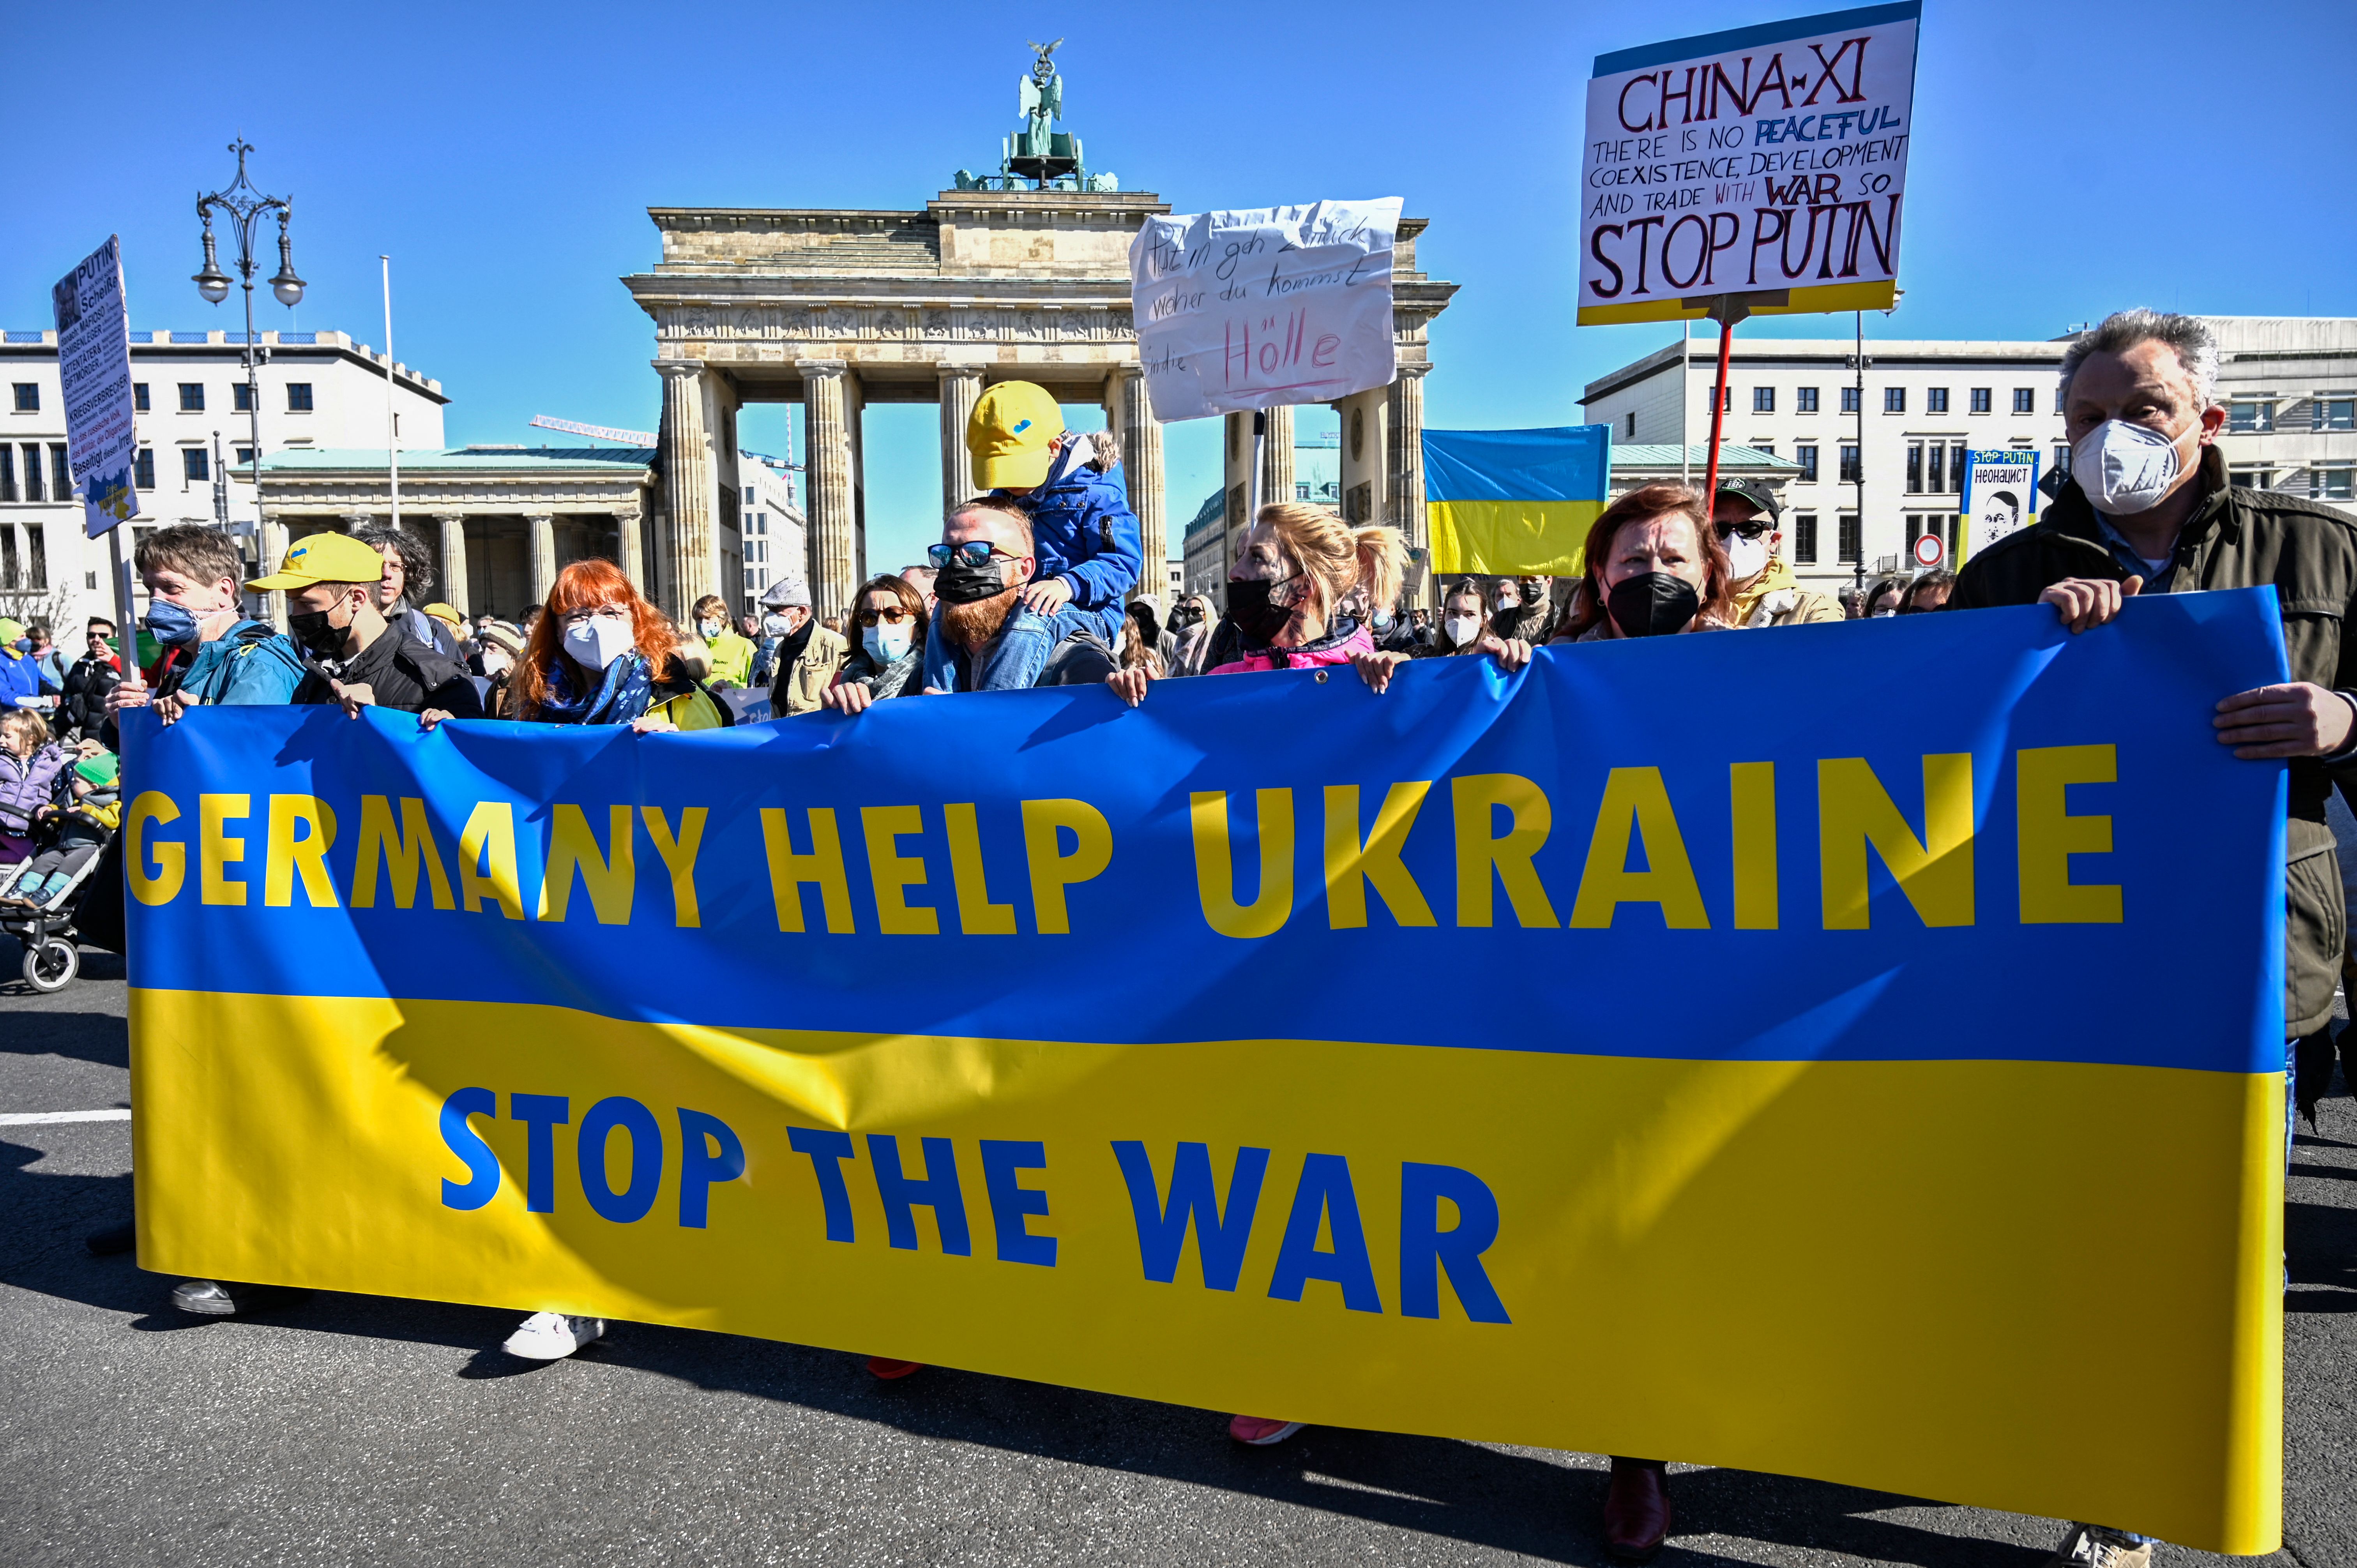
(70, 846)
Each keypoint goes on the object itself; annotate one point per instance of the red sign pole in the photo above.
(1726, 310)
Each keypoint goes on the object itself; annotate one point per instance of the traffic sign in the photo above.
(1929, 551)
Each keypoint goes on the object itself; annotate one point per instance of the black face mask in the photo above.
(310, 631)
(1248, 607)
(960, 583)
(1652, 603)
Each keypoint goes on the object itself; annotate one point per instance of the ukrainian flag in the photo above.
(1509, 502)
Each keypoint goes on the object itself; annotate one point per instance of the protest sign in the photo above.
(94, 363)
(2000, 493)
(1768, 161)
(1251, 309)
(835, 1031)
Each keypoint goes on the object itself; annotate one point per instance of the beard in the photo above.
(971, 626)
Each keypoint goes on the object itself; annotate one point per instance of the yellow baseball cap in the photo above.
(1009, 436)
(324, 558)
(444, 614)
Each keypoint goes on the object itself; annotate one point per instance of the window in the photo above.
(1935, 399)
(1805, 400)
(1631, 432)
(2025, 400)
(1955, 466)
(1805, 538)
(1980, 400)
(241, 398)
(36, 567)
(2254, 479)
(1807, 458)
(1915, 467)
(194, 468)
(1850, 472)
(750, 499)
(1894, 400)
(29, 397)
(8, 556)
(2061, 457)
(245, 457)
(139, 396)
(1849, 400)
(61, 474)
(192, 397)
(7, 473)
(2332, 413)
(1763, 400)
(2249, 418)
(298, 397)
(2335, 484)
(1935, 477)
(143, 469)
(33, 472)
(1727, 401)
(1853, 547)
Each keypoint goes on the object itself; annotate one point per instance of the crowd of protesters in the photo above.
(1035, 582)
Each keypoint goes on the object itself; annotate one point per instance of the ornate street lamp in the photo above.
(242, 206)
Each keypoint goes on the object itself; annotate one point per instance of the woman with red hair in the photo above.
(601, 654)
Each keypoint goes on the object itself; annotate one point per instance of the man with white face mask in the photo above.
(1746, 516)
(2149, 509)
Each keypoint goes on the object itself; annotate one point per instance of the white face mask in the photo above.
(495, 662)
(1880, 615)
(709, 629)
(2126, 469)
(598, 641)
(1746, 558)
(1463, 630)
(886, 644)
(775, 626)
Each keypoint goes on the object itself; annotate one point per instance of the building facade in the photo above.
(318, 390)
(1874, 449)
(2289, 385)
(772, 536)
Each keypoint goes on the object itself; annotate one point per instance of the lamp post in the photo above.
(242, 205)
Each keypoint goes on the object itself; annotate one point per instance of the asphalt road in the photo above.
(357, 1430)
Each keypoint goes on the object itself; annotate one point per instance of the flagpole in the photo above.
(1685, 434)
(391, 420)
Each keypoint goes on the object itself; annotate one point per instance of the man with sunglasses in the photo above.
(1745, 514)
(984, 636)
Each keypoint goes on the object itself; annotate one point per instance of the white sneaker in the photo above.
(551, 1335)
(2095, 1546)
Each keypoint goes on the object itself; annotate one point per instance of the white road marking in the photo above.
(43, 1118)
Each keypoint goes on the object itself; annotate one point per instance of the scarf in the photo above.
(622, 697)
(1772, 578)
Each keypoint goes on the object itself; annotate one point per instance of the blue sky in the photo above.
(2067, 159)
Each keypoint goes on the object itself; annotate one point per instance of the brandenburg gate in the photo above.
(1022, 275)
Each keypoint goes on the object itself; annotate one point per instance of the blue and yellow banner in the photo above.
(1748, 1049)
(1507, 501)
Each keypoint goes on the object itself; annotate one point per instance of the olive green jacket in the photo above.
(799, 685)
(2236, 538)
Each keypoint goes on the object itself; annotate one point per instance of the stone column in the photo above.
(272, 546)
(351, 519)
(1404, 471)
(626, 544)
(543, 556)
(454, 562)
(1364, 454)
(690, 484)
(826, 447)
(855, 403)
(1276, 458)
(961, 388)
(1129, 412)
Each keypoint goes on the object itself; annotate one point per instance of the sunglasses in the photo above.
(1751, 527)
(973, 553)
(891, 615)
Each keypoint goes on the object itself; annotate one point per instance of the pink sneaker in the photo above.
(886, 1368)
(1260, 1430)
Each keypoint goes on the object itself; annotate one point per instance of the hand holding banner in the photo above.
(1250, 309)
